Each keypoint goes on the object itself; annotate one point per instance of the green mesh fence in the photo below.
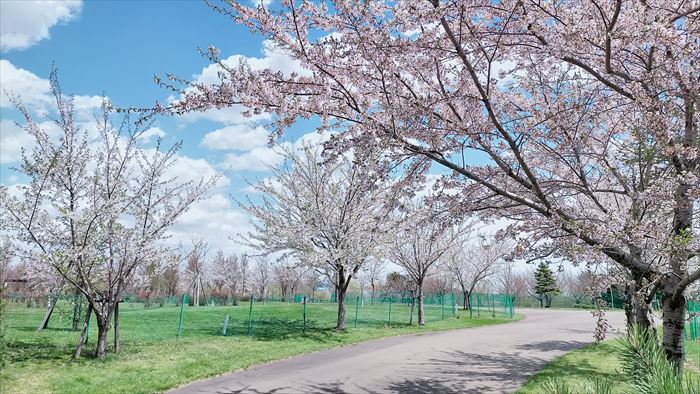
(151, 320)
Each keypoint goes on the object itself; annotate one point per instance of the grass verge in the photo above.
(595, 361)
(151, 361)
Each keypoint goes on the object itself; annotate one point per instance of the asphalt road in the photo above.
(492, 359)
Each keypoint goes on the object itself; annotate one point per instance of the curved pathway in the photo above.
(490, 359)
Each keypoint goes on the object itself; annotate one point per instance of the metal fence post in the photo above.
(87, 333)
(493, 305)
(304, 301)
(469, 297)
(223, 331)
(442, 306)
(250, 316)
(511, 300)
(478, 305)
(454, 306)
(389, 312)
(357, 307)
(612, 300)
(182, 310)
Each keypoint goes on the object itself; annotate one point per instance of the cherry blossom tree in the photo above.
(372, 274)
(471, 263)
(511, 283)
(329, 215)
(423, 241)
(96, 206)
(262, 275)
(576, 120)
(287, 276)
(578, 285)
(232, 271)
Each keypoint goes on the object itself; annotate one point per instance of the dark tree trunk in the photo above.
(340, 324)
(341, 287)
(83, 333)
(102, 330)
(467, 304)
(673, 321)
(107, 308)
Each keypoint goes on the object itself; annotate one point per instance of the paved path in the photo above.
(493, 359)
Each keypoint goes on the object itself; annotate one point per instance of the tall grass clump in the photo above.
(644, 368)
(649, 372)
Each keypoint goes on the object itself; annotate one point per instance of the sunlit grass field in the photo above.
(153, 359)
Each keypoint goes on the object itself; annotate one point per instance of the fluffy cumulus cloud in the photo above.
(12, 140)
(236, 137)
(188, 169)
(273, 58)
(35, 92)
(151, 133)
(216, 220)
(256, 160)
(260, 158)
(24, 23)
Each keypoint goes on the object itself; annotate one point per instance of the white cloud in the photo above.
(257, 159)
(24, 23)
(12, 139)
(214, 219)
(236, 137)
(35, 92)
(187, 169)
(264, 3)
(273, 58)
(147, 135)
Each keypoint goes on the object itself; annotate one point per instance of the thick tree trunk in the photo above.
(673, 321)
(467, 304)
(340, 288)
(673, 300)
(340, 324)
(421, 304)
(102, 330)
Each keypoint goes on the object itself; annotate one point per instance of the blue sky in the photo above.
(115, 48)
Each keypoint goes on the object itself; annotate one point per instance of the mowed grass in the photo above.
(595, 362)
(153, 359)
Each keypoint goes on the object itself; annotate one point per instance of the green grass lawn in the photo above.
(595, 361)
(153, 359)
